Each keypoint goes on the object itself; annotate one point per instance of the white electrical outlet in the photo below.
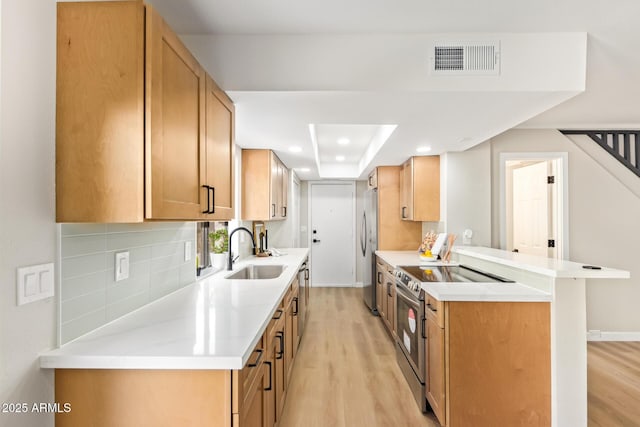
(122, 266)
(187, 251)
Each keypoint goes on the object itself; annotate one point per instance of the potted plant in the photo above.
(219, 245)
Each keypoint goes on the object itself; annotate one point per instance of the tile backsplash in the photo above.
(90, 296)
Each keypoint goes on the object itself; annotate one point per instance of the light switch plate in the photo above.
(34, 283)
(122, 266)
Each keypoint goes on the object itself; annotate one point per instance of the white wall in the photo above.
(603, 224)
(27, 199)
(467, 201)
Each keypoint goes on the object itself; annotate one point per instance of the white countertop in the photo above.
(540, 265)
(486, 292)
(212, 324)
(445, 291)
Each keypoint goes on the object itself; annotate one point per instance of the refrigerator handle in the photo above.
(363, 232)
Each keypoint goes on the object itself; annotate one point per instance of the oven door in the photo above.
(409, 324)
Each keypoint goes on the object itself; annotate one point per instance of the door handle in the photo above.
(258, 359)
(403, 215)
(280, 336)
(284, 211)
(316, 240)
(379, 277)
(295, 311)
(389, 289)
(270, 377)
(279, 314)
(424, 328)
(206, 187)
(213, 199)
(273, 208)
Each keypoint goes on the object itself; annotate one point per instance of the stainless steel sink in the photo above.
(257, 272)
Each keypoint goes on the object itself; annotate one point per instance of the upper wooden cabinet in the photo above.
(420, 189)
(264, 186)
(393, 233)
(141, 131)
(175, 140)
(220, 146)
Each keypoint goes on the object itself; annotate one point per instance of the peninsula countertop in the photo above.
(475, 291)
(214, 323)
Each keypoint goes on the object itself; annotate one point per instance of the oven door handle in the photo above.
(411, 300)
(424, 327)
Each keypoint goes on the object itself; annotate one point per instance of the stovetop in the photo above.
(413, 276)
(451, 274)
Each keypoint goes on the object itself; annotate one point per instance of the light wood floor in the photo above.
(613, 382)
(345, 372)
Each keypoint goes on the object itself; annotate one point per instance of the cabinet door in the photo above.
(253, 409)
(280, 371)
(284, 195)
(100, 112)
(389, 288)
(174, 138)
(435, 375)
(276, 187)
(406, 190)
(270, 386)
(288, 341)
(219, 152)
(379, 292)
(425, 191)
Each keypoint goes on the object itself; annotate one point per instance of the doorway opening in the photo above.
(332, 221)
(534, 204)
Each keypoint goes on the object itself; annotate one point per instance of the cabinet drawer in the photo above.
(434, 308)
(253, 367)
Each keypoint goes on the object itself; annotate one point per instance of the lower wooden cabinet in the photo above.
(386, 295)
(435, 372)
(488, 363)
(251, 397)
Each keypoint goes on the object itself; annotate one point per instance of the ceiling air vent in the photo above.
(457, 58)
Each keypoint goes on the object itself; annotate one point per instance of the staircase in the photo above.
(623, 145)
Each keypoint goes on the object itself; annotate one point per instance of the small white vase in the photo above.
(219, 261)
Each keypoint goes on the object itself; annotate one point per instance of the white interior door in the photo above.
(332, 208)
(531, 209)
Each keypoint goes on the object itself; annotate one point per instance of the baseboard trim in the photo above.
(612, 336)
(336, 285)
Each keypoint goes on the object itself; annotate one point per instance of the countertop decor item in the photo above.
(219, 243)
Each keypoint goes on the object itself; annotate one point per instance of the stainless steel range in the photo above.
(410, 316)
(411, 332)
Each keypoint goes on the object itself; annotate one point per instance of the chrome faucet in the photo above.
(253, 243)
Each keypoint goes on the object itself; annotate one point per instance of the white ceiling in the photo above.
(330, 36)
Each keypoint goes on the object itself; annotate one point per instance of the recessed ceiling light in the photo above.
(343, 141)
(303, 169)
(295, 149)
(423, 149)
(340, 158)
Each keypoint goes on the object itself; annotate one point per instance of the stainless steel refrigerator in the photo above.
(368, 246)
